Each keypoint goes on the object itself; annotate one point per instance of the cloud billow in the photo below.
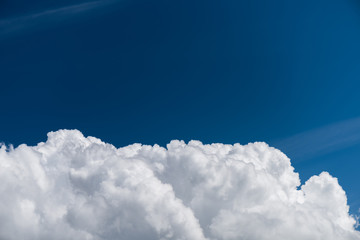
(73, 187)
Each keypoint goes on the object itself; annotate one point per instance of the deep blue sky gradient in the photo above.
(150, 71)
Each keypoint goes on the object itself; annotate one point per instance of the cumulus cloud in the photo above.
(76, 187)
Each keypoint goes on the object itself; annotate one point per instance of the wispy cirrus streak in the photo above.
(322, 140)
(47, 17)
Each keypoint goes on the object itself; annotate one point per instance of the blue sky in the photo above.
(283, 72)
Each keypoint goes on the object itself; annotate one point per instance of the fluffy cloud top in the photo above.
(72, 187)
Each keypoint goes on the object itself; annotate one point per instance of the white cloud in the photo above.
(72, 187)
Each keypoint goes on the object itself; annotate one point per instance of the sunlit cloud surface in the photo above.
(76, 187)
